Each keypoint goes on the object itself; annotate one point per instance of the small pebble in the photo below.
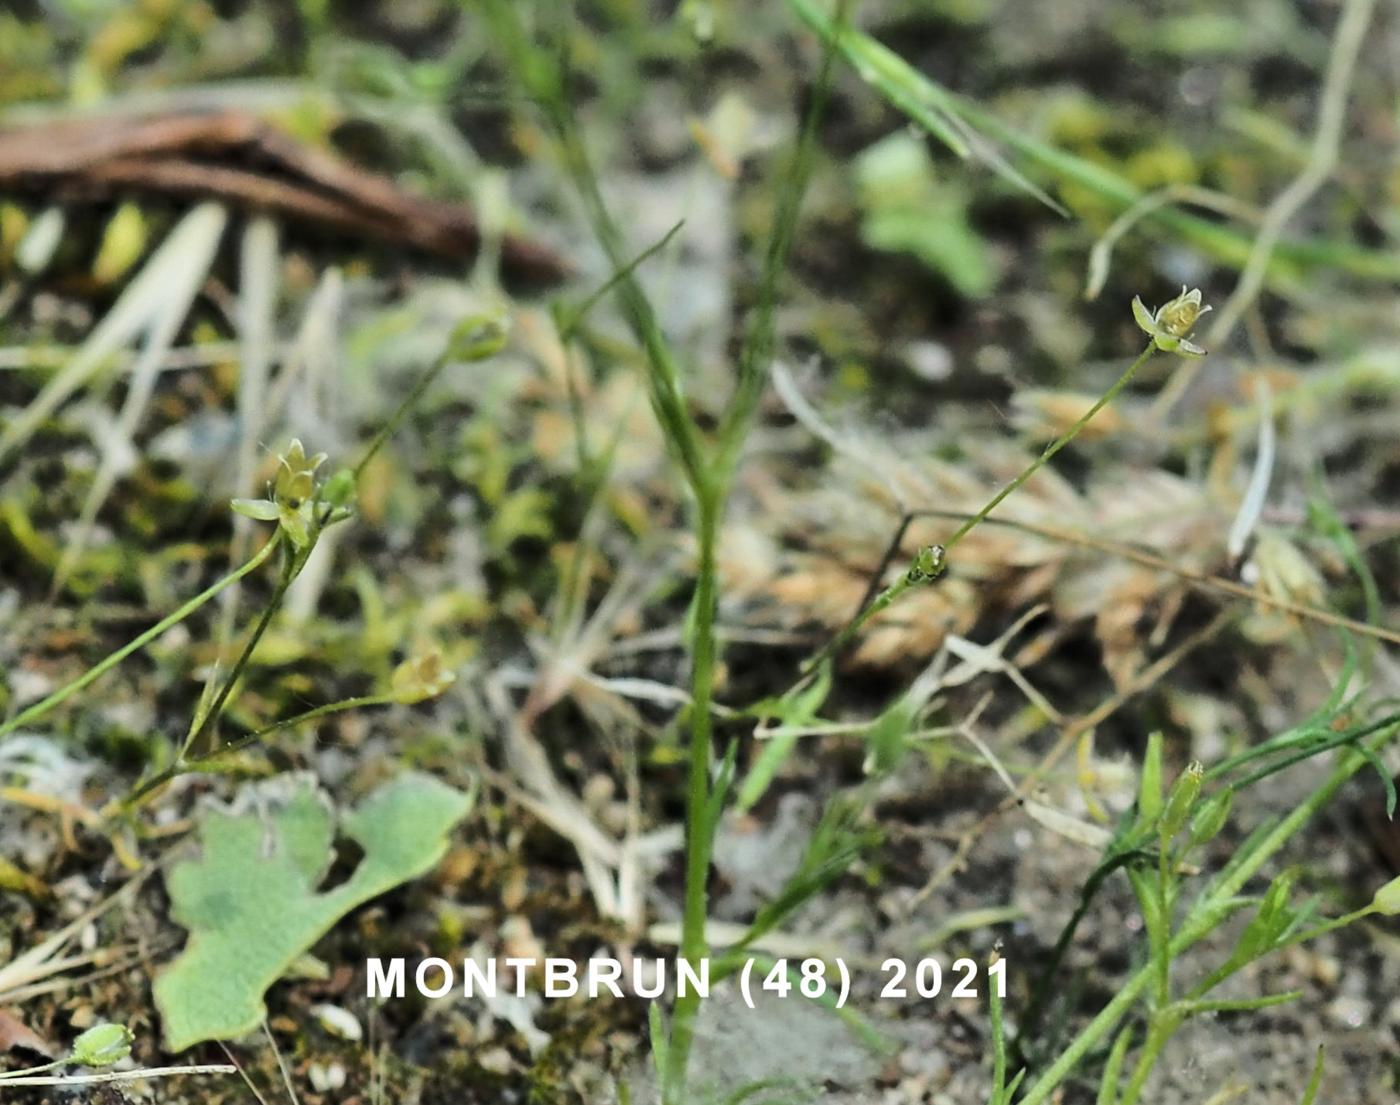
(326, 1078)
(929, 360)
(497, 1060)
(1350, 1012)
(338, 1021)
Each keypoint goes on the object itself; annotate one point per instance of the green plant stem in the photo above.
(1112, 1070)
(386, 431)
(209, 762)
(891, 593)
(543, 78)
(1095, 1030)
(1328, 926)
(570, 320)
(1163, 1023)
(1306, 751)
(1310, 1094)
(1153, 902)
(699, 839)
(756, 355)
(324, 710)
(1046, 984)
(880, 602)
(291, 564)
(1051, 449)
(998, 1045)
(39, 709)
(1202, 919)
(7, 1075)
(708, 466)
(1236, 1005)
(1162, 951)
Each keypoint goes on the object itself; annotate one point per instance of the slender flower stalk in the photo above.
(68, 690)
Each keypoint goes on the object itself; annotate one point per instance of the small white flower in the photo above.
(292, 501)
(1170, 327)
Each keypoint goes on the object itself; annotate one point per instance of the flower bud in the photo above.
(1180, 800)
(340, 488)
(476, 338)
(420, 678)
(1387, 899)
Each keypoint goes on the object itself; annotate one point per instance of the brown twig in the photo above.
(1070, 734)
(236, 157)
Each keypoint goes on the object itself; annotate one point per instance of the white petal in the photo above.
(1144, 318)
(261, 509)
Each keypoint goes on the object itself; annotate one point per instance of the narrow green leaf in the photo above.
(952, 119)
(1113, 1067)
(1150, 784)
(793, 713)
(1238, 1005)
(1383, 773)
(1310, 1094)
(660, 1044)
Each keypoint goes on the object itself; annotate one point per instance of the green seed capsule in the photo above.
(1211, 817)
(340, 488)
(478, 337)
(1180, 801)
(929, 564)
